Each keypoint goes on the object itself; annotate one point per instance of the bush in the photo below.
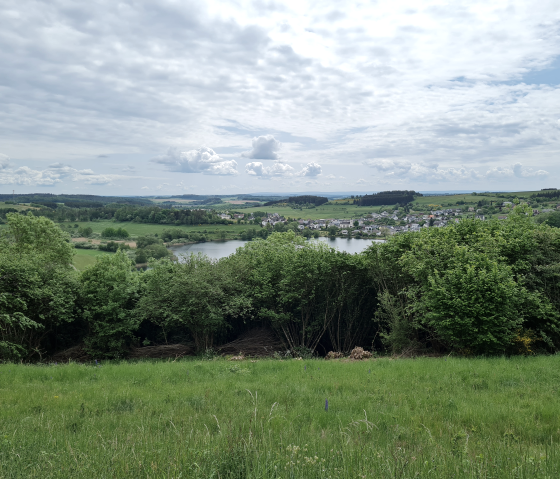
(114, 233)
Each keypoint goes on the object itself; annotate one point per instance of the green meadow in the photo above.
(407, 418)
(86, 257)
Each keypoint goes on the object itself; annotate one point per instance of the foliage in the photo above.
(29, 234)
(199, 295)
(38, 288)
(110, 291)
(114, 233)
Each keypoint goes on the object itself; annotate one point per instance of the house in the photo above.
(239, 216)
(344, 232)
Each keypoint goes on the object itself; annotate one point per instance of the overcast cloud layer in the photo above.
(170, 97)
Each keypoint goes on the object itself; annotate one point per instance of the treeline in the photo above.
(74, 201)
(133, 213)
(474, 288)
(301, 200)
(550, 194)
(387, 198)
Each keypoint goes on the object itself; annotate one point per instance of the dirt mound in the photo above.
(334, 355)
(260, 342)
(75, 353)
(359, 353)
(163, 351)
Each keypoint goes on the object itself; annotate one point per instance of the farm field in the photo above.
(429, 417)
(86, 257)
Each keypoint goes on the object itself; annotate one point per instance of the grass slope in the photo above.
(437, 418)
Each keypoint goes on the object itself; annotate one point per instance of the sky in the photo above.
(226, 97)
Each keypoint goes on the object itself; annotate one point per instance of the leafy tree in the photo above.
(199, 295)
(110, 291)
(38, 235)
(38, 286)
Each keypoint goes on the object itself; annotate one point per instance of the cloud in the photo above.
(4, 161)
(278, 169)
(55, 174)
(394, 167)
(432, 172)
(204, 160)
(528, 173)
(361, 181)
(330, 177)
(369, 80)
(311, 169)
(264, 148)
(26, 176)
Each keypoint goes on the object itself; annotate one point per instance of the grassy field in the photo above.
(86, 257)
(428, 418)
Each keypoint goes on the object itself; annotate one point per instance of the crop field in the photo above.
(428, 418)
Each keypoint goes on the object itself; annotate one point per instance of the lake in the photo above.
(221, 249)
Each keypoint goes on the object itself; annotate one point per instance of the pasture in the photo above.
(428, 417)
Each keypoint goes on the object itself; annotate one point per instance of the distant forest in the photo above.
(301, 200)
(387, 198)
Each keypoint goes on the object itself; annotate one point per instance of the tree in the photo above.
(110, 291)
(39, 235)
(198, 295)
(38, 286)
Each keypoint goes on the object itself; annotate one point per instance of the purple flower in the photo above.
(326, 404)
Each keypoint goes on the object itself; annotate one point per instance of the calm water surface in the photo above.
(221, 249)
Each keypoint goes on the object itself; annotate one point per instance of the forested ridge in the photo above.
(132, 213)
(473, 288)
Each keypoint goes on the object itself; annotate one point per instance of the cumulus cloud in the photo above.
(26, 176)
(264, 148)
(278, 169)
(361, 181)
(311, 169)
(529, 172)
(204, 160)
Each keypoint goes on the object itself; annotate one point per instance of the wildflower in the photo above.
(56, 397)
(326, 404)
